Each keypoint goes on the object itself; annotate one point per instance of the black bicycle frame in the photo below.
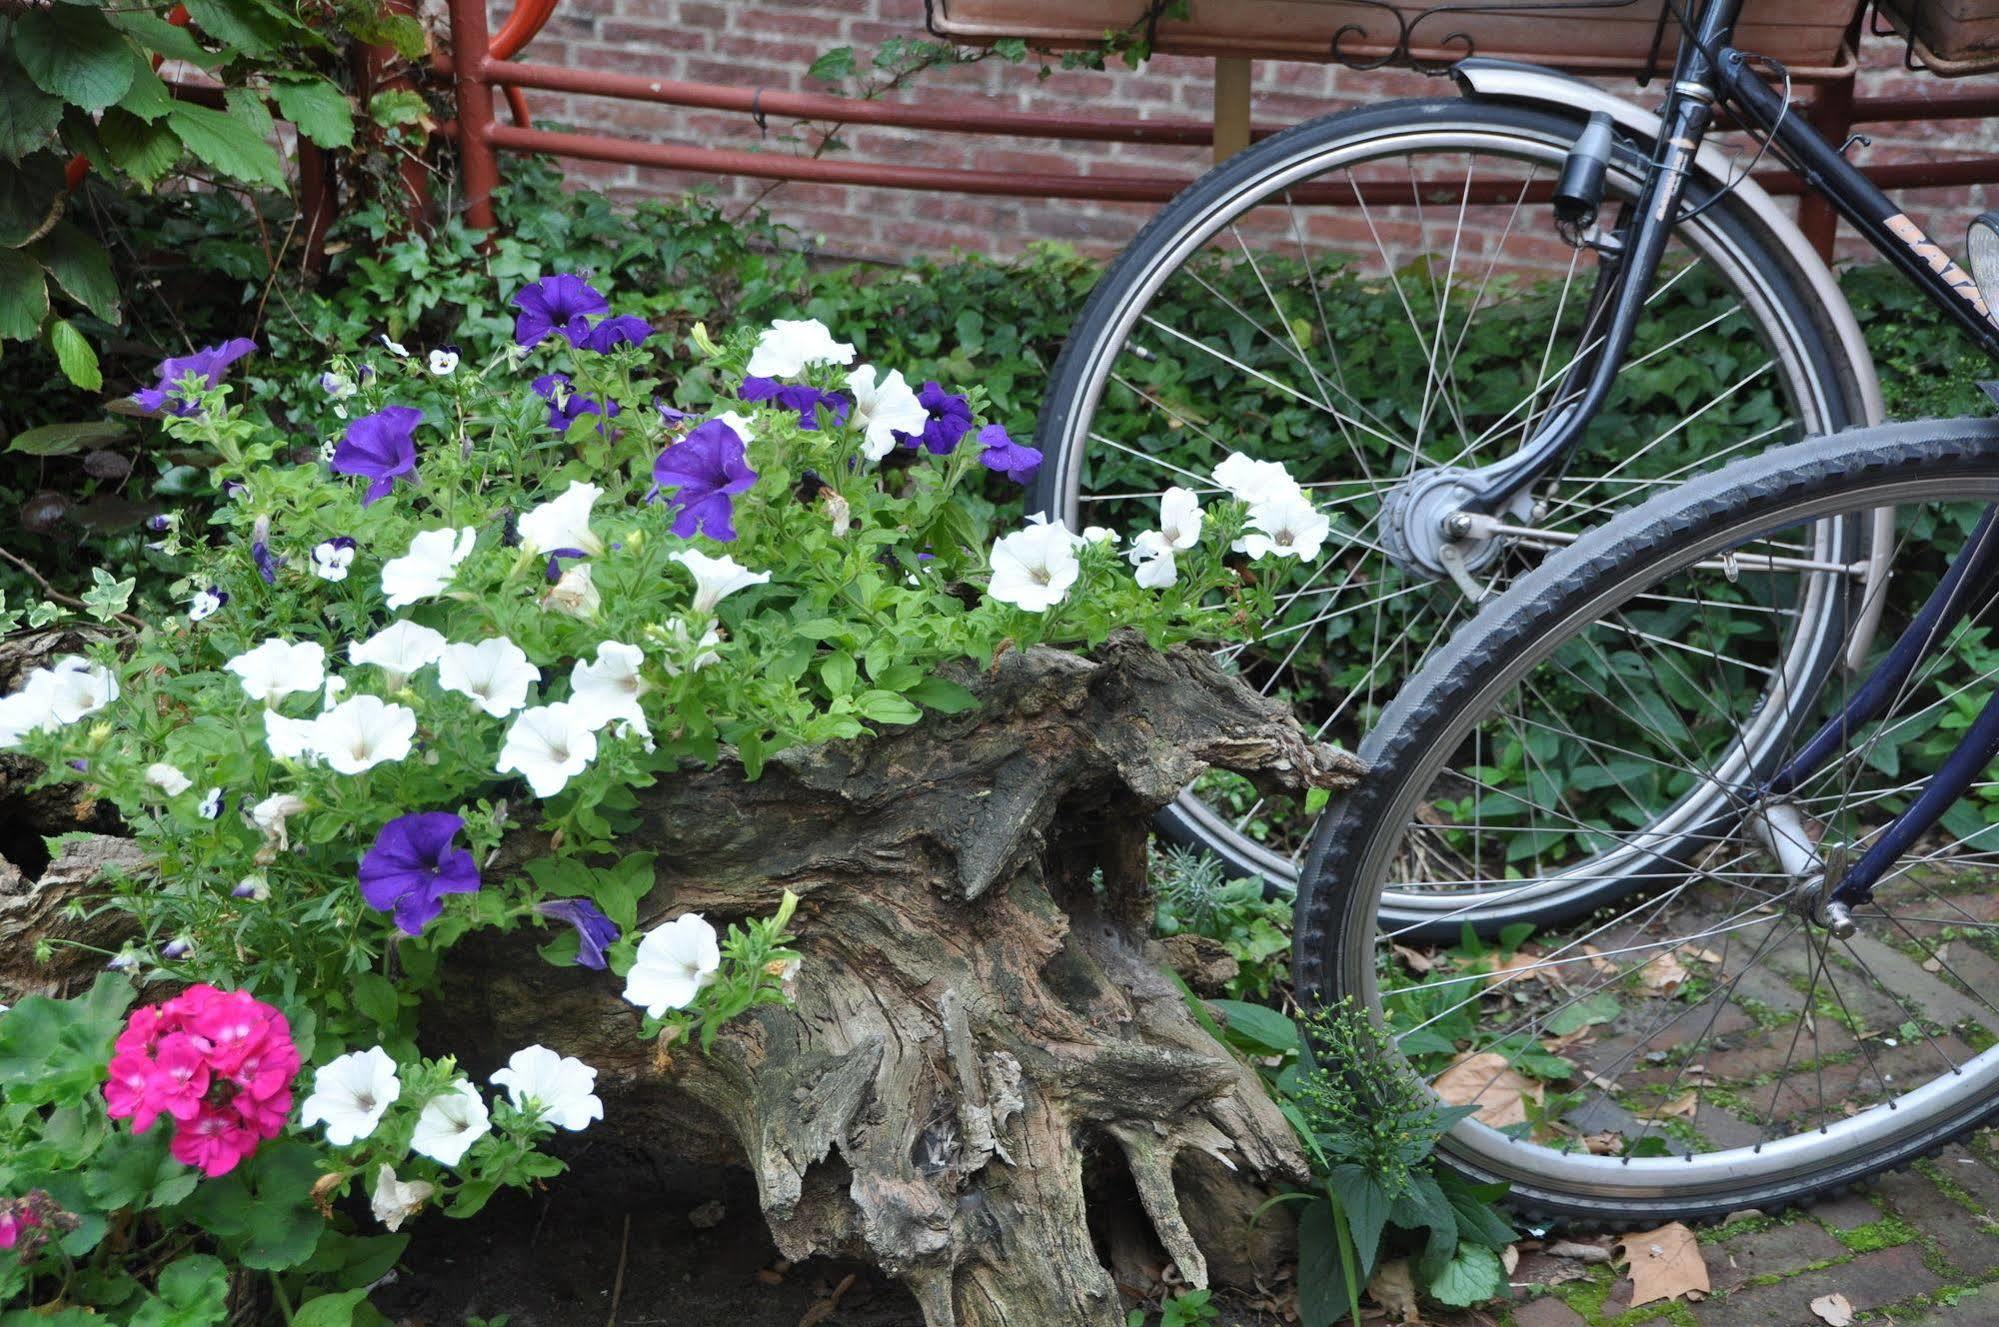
(1708, 70)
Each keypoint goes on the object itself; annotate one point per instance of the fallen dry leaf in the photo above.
(1509, 1258)
(1505, 970)
(1606, 1144)
(1664, 1264)
(1416, 960)
(1664, 975)
(1702, 955)
(1486, 1081)
(1580, 1251)
(1597, 961)
(1394, 1288)
(1833, 1309)
(1935, 962)
(1680, 1107)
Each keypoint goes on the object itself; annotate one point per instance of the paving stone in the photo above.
(1969, 1172)
(1974, 1308)
(1911, 1194)
(1546, 1313)
(1771, 1252)
(1868, 1282)
(1849, 1211)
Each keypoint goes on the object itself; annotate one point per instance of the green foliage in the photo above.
(1192, 897)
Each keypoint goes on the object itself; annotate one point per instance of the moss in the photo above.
(1887, 1233)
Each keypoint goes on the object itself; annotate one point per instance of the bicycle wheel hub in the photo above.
(1414, 524)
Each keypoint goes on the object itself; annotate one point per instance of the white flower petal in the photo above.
(277, 668)
(351, 1094)
(788, 345)
(399, 649)
(450, 1123)
(715, 579)
(363, 732)
(548, 745)
(563, 522)
(560, 1089)
(495, 674)
(673, 962)
(426, 570)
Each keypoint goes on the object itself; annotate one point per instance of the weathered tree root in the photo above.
(980, 1013)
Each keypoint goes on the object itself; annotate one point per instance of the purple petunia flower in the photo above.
(800, 397)
(950, 420)
(1012, 459)
(414, 863)
(595, 932)
(668, 415)
(208, 364)
(560, 303)
(703, 469)
(381, 446)
(564, 406)
(267, 561)
(617, 330)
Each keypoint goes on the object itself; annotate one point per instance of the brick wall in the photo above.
(770, 43)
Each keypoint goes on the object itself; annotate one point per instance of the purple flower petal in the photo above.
(950, 420)
(700, 472)
(565, 407)
(380, 447)
(208, 364)
(618, 330)
(560, 303)
(595, 932)
(798, 397)
(413, 864)
(1012, 459)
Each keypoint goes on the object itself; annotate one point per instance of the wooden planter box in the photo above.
(1951, 37)
(1805, 34)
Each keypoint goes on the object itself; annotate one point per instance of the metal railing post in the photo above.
(471, 53)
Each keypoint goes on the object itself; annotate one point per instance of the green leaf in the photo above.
(80, 268)
(145, 151)
(401, 31)
(262, 1211)
(375, 996)
(1366, 1202)
(74, 356)
(833, 66)
(1325, 1294)
(1424, 1207)
(887, 707)
(329, 1310)
(353, 1261)
(1263, 1031)
(28, 115)
(838, 672)
(226, 142)
(131, 1168)
(193, 1292)
(53, 1050)
(106, 598)
(175, 43)
(32, 195)
(64, 439)
(241, 25)
(1603, 1007)
(1472, 1276)
(1479, 1222)
(147, 98)
(935, 693)
(319, 109)
(397, 106)
(75, 54)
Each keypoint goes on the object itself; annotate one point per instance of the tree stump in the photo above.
(981, 1017)
(982, 1028)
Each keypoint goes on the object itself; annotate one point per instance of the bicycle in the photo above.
(1754, 956)
(1388, 372)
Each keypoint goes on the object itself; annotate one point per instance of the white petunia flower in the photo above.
(1255, 481)
(737, 424)
(399, 649)
(495, 674)
(451, 1122)
(330, 693)
(1098, 534)
(1152, 554)
(426, 570)
(715, 579)
(1286, 527)
(563, 522)
(361, 733)
(351, 1094)
(79, 688)
(882, 409)
(1180, 518)
(168, 779)
(271, 814)
(443, 362)
(396, 348)
(277, 668)
(687, 654)
(29, 710)
(396, 1201)
(673, 963)
(1033, 568)
(205, 603)
(558, 1088)
(331, 558)
(548, 745)
(608, 688)
(575, 594)
(788, 345)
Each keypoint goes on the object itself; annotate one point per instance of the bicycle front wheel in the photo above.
(1375, 298)
(1706, 1045)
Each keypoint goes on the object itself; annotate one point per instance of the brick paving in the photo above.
(1919, 1248)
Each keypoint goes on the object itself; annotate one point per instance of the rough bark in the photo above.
(981, 1023)
(983, 1037)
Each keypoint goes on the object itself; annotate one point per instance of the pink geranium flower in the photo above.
(219, 1063)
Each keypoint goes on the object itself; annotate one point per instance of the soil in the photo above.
(552, 1259)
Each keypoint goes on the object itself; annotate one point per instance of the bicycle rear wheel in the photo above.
(1372, 298)
(1705, 1046)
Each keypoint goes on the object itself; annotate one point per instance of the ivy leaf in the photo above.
(145, 151)
(75, 54)
(106, 598)
(24, 297)
(242, 26)
(319, 109)
(79, 266)
(64, 439)
(28, 115)
(227, 143)
(833, 66)
(193, 1292)
(74, 356)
